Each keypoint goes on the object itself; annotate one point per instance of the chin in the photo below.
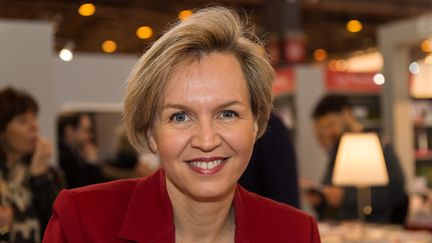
(211, 193)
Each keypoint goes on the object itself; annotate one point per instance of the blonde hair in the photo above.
(214, 29)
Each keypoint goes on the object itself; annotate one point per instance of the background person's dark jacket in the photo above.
(77, 170)
(272, 170)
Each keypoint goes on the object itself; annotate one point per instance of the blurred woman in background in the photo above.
(28, 185)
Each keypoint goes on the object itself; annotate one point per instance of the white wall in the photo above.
(93, 78)
(309, 89)
(26, 63)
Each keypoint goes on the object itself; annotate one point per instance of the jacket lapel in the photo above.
(149, 216)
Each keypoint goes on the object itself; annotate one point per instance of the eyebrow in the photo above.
(185, 107)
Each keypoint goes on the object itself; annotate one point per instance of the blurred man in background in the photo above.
(332, 117)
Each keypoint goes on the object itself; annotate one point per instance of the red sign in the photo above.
(351, 82)
(294, 50)
(284, 81)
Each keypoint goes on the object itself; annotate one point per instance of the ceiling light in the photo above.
(109, 46)
(414, 68)
(87, 9)
(332, 65)
(371, 61)
(426, 45)
(66, 54)
(341, 65)
(354, 26)
(144, 32)
(428, 59)
(320, 55)
(379, 79)
(184, 14)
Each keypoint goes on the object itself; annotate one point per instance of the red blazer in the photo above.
(139, 210)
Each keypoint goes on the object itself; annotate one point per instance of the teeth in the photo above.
(206, 165)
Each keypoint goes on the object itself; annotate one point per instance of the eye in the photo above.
(179, 117)
(228, 114)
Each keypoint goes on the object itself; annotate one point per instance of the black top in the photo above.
(77, 170)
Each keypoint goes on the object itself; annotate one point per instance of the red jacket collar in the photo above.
(149, 216)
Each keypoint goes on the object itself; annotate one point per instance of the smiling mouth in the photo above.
(207, 166)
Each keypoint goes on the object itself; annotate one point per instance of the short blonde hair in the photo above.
(214, 29)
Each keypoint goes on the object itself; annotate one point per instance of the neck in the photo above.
(202, 221)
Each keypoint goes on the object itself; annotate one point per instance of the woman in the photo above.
(27, 185)
(199, 98)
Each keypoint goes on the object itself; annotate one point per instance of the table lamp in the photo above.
(360, 163)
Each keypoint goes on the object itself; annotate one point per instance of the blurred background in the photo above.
(76, 56)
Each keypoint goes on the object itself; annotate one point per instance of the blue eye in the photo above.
(179, 117)
(228, 114)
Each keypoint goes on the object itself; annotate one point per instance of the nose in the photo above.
(206, 137)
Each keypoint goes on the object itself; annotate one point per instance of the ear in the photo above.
(152, 142)
(256, 129)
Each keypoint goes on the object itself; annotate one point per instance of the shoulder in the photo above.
(264, 218)
(98, 193)
(98, 210)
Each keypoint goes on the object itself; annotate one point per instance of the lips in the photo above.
(207, 166)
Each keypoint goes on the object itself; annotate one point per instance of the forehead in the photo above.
(195, 80)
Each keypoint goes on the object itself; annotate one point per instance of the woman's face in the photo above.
(205, 129)
(21, 134)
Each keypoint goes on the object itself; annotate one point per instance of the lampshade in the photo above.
(360, 161)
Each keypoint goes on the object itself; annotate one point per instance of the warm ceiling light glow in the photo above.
(320, 55)
(354, 26)
(426, 45)
(365, 62)
(109, 46)
(428, 59)
(87, 9)
(341, 65)
(184, 14)
(332, 65)
(421, 85)
(144, 32)
(66, 55)
(379, 79)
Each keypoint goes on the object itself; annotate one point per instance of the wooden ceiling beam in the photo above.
(393, 9)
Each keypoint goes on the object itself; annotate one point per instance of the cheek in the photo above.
(17, 141)
(241, 140)
(169, 143)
